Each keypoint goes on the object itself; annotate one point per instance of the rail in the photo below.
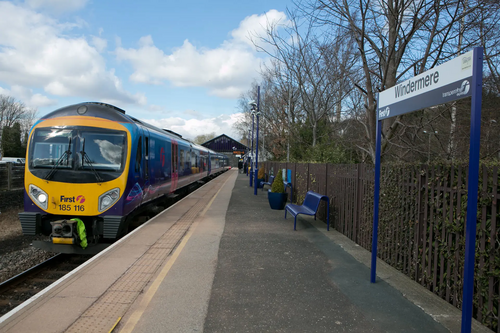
(20, 288)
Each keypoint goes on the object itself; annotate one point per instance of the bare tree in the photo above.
(395, 40)
(311, 65)
(12, 112)
(202, 138)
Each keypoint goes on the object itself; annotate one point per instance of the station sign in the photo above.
(238, 152)
(442, 84)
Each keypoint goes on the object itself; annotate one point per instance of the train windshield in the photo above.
(101, 151)
(51, 146)
(77, 154)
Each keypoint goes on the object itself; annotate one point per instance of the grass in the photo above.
(9, 223)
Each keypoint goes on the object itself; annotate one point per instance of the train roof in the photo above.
(113, 113)
(101, 110)
(91, 109)
(105, 111)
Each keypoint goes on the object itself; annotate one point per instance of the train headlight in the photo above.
(107, 199)
(38, 196)
(42, 197)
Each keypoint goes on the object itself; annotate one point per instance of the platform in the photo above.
(221, 260)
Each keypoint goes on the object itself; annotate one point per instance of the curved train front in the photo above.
(90, 167)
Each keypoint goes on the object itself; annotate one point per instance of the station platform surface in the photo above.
(221, 260)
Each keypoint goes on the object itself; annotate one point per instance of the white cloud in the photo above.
(189, 129)
(36, 52)
(255, 26)
(99, 43)
(226, 71)
(57, 6)
(30, 99)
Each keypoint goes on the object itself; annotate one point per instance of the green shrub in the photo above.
(262, 173)
(278, 186)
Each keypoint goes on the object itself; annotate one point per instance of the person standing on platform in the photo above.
(240, 165)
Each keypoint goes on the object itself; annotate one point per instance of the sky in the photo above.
(180, 65)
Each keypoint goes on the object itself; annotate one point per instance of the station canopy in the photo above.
(225, 144)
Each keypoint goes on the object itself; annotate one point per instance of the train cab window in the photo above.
(138, 158)
(50, 146)
(102, 150)
(78, 154)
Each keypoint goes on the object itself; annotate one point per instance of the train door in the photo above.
(146, 175)
(209, 163)
(175, 165)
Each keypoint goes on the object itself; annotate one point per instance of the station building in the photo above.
(229, 147)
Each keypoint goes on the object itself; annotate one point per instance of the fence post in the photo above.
(421, 211)
(358, 204)
(9, 176)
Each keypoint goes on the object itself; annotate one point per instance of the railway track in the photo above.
(22, 287)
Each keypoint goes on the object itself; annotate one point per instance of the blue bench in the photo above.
(270, 182)
(309, 207)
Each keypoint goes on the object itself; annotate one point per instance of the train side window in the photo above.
(193, 159)
(182, 166)
(138, 158)
(146, 156)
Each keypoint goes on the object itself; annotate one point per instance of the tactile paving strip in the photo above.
(114, 303)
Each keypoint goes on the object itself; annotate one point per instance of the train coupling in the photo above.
(64, 232)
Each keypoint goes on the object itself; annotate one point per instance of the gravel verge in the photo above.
(16, 252)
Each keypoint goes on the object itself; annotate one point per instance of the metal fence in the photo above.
(421, 223)
(11, 177)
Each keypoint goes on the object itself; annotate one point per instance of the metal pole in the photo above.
(246, 171)
(289, 123)
(471, 221)
(376, 203)
(251, 159)
(257, 144)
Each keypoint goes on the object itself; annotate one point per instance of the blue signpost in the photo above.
(257, 144)
(251, 158)
(456, 79)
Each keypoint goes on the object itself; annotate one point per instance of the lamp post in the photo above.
(251, 160)
(248, 151)
(257, 112)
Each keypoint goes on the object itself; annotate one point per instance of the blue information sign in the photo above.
(442, 84)
(458, 78)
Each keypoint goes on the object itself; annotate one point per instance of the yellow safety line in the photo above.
(148, 296)
(112, 328)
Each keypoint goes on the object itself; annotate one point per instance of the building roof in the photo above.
(225, 144)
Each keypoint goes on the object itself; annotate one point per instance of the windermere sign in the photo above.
(442, 84)
(455, 79)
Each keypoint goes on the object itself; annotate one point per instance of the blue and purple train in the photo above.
(91, 166)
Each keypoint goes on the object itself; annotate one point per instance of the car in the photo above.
(13, 160)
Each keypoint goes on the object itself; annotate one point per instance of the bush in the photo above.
(278, 186)
(262, 173)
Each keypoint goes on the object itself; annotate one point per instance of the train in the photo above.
(91, 169)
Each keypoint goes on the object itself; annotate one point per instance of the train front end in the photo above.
(75, 176)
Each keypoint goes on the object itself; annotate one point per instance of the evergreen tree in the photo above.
(11, 141)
